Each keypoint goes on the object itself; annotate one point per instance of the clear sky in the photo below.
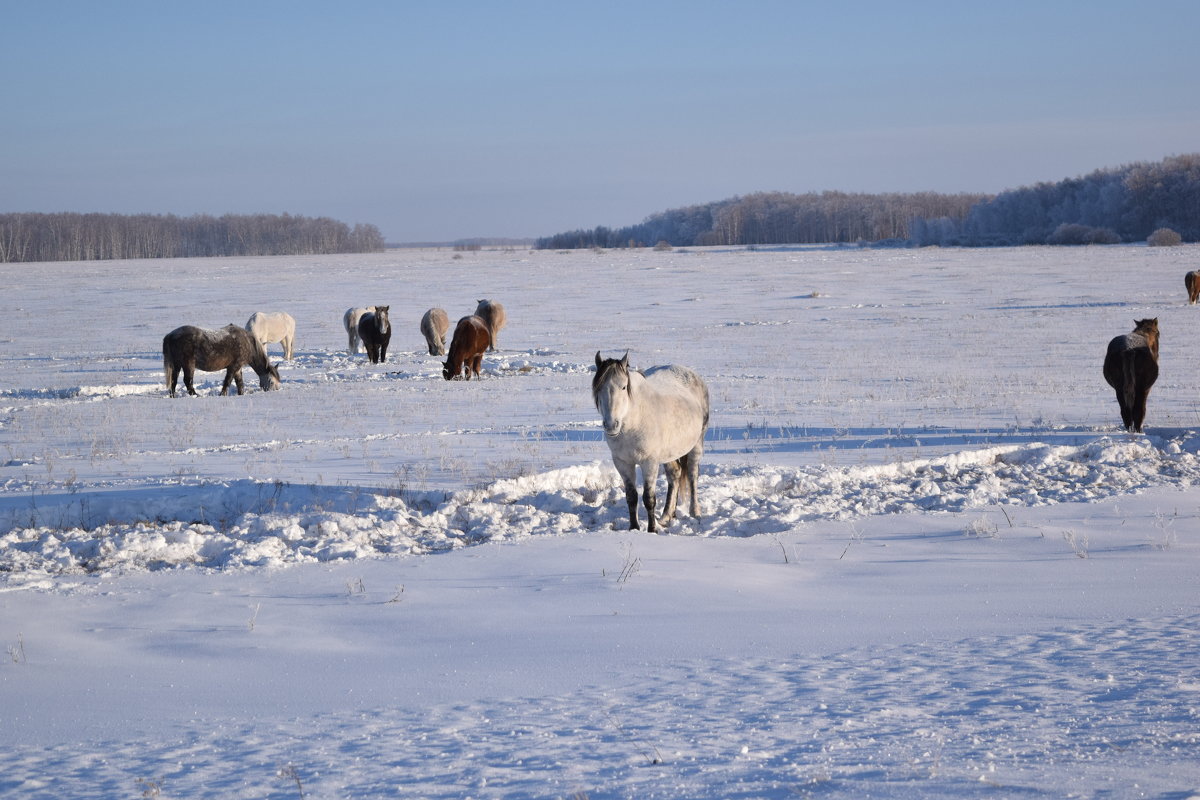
(443, 119)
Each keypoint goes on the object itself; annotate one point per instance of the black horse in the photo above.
(375, 331)
(1131, 368)
(190, 348)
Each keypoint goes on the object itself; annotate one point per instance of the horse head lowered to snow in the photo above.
(189, 348)
(471, 339)
(653, 417)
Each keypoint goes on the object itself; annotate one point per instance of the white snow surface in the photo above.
(929, 562)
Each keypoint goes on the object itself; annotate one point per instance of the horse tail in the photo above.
(168, 364)
(1129, 377)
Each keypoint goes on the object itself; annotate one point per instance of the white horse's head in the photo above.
(612, 393)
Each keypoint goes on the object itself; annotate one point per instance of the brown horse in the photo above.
(1192, 282)
(471, 339)
(1131, 367)
(189, 348)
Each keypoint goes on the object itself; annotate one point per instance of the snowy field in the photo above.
(929, 562)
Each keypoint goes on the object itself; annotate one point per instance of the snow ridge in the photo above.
(256, 524)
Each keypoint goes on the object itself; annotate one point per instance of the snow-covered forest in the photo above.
(1107, 206)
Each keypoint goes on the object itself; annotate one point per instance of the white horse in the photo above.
(273, 326)
(652, 417)
(350, 320)
(434, 325)
(492, 314)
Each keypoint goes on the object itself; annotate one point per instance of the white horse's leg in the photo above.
(675, 475)
(693, 474)
(649, 478)
(628, 473)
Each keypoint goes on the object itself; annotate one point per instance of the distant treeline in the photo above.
(1124, 204)
(87, 237)
(777, 218)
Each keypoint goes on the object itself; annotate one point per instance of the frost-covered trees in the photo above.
(1122, 204)
(85, 237)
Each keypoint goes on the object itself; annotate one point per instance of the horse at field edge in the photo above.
(1191, 282)
(189, 348)
(653, 417)
(1131, 368)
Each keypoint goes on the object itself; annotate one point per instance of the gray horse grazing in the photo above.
(1131, 368)
(652, 417)
(189, 348)
(492, 314)
(434, 325)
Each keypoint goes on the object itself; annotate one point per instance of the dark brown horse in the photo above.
(1192, 282)
(1131, 368)
(375, 330)
(190, 348)
(471, 339)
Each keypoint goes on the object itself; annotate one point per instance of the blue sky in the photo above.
(440, 120)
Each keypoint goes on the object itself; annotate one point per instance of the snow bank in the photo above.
(249, 524)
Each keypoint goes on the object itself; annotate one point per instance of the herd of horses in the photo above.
(189, 348)
(652, 418)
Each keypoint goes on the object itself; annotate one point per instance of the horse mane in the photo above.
(602, 371)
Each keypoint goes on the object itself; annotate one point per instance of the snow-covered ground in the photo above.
(929, 563)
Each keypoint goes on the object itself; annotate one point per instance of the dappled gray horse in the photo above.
(652, 417)
(189, 348)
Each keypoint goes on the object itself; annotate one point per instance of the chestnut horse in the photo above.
(375, 330)
(189, 348)
(652, 417)
(471, 339)
(1192, 282)
(1131, 367)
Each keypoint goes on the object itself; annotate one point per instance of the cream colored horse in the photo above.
(273, 326)
(350, 320)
